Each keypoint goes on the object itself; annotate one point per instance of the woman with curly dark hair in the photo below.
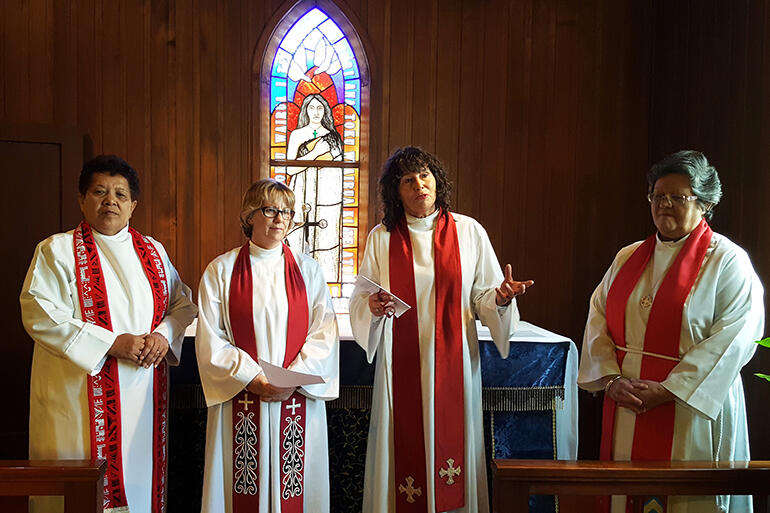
(427, 390)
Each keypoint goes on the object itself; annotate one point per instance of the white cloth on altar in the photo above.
(225, 370)
(481, 273)
(68, 349)
(723, 317)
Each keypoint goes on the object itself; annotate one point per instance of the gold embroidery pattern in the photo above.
(450, 472)
(409, 490)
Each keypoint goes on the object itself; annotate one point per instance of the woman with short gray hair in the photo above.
(670, 326)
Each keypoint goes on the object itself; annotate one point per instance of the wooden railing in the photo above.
(79, 481)
(515, 480)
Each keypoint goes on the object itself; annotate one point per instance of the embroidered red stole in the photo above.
(104, 388)
(245, 420)
(449, 413)
(654, 429)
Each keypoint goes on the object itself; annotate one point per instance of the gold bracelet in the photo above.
(610, 382)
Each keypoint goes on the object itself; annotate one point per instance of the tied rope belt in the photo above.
(633, 350)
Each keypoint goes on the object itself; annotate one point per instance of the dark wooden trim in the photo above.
(515, 480)
(74, 151)
(79, 481)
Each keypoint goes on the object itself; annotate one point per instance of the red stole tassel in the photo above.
(408, 437)
(246, 421)
(654, 430)
(104, 388)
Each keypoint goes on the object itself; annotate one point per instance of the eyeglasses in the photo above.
(680, 200)
(271, 212)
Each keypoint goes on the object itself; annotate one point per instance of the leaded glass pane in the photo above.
(315, 106)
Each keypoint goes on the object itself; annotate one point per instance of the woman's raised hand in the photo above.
(510, 287)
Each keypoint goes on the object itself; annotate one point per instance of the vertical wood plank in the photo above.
(470, 140)
(493, 110)
(89, 67)
(134, 43)
(423, 112)
(161, 76)
(65, 49)
(401, 76)
(17, 60)
(186, 123)
(41, 61)
(447, 89)
(210, 122)
(113, 71)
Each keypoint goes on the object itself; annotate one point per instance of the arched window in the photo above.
(316, 104)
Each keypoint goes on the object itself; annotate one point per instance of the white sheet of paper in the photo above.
(284, 378)
(371, 287)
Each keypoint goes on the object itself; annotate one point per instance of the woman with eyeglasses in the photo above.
(260, 304)
(670, 326)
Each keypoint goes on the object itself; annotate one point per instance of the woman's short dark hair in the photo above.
(704, 179)
(111, 165)
(404, 161)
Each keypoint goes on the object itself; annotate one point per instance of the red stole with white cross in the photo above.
(104, 388)
(449, 413)
(246, 420)
(654, 429)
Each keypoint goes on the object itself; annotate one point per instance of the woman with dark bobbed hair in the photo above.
(670, 326)
(426, 448)
(107, 312)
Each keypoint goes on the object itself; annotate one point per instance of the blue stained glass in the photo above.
(347, 58)
(281, 63)
(277, 91)
(303, 26)
(331, 31)
(353, 94)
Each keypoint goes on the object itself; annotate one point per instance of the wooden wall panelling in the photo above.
(17, 50)
(135, 44)
(41, 72)
(187, 122)
(535, 238)
(234, 62)
(112, 67)
(447, 88)
(517, 172)
(4, 67)
(400, 75)
(379, 23)
(160, 83)
(210, 127)
(491, 167)
(470, 141)
(424, 76)
(89, 71)
(65, 72)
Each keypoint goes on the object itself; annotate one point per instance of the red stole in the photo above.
(245, 419)
(449, 414)
(654, 429)
(104, 388)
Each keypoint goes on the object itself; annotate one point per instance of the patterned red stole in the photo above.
(245, 420)
(654, 429)
(104, 388)
(449, 413)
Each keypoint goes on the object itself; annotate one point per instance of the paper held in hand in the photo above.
(285, 378)
(367, 285)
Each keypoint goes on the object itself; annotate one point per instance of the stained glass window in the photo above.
(315, 115)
